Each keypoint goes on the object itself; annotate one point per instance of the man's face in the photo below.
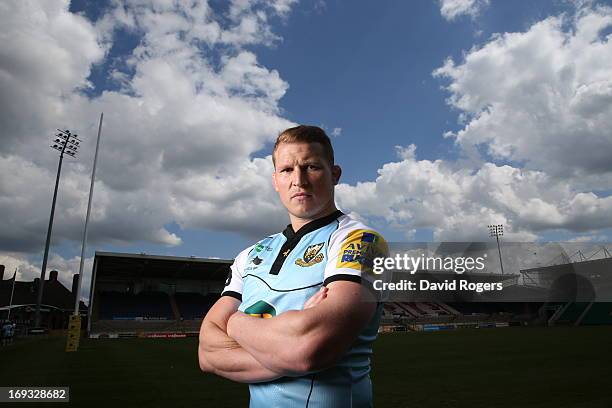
(304, 179)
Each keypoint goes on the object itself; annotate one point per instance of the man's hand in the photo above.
(316, 298)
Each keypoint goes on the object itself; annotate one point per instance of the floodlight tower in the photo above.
(497, 231)
(66, 143)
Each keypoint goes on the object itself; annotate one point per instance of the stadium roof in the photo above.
(450, 275)
(117, 264)
(602, 264)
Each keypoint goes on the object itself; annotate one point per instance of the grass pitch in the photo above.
(506, 367)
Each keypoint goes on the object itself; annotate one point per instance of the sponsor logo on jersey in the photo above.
(359, 247)
(260, 247)
(311, 255)
(261, 309)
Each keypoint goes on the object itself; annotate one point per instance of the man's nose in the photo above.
(300, 178)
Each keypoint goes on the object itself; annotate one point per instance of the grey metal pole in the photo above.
(8, 316)
(46, 255)
(84, 244)
(501, 264)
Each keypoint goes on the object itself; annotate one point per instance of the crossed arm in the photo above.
(249, 349)
(220, 354)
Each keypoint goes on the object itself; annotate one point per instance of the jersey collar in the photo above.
(311, 226)
(293, 238)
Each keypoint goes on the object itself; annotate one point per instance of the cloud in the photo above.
(47, 54)
(459, 203)
(320, 6)
(453, 9)
(542, 98)
(243, 200)
(192, 109)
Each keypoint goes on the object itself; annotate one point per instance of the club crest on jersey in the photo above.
(311, 255)
(255, 262)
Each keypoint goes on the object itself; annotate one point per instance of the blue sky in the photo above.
(194, 97)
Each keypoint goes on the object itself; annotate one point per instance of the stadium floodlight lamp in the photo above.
(64, 143)
(497, 230)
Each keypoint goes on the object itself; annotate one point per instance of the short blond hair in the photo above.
(306, 134)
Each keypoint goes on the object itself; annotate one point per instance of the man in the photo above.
(294, 320)
(11, 333)
(7, 328)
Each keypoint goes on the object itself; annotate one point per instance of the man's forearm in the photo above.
(213, 337)
(277, 343)
(220, 354)
(238, 365)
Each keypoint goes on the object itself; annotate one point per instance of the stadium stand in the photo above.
(194, 305)
(148, 295)
(585, 279)
(473, 309)
(145, 305)
(599, 313)
(416, 315)
(582, 313)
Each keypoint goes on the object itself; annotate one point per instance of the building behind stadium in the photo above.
(57, 303)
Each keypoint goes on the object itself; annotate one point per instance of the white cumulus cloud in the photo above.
(542, 97)
(452, 9)
(458, 203)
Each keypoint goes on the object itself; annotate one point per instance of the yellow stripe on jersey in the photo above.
(359, 246)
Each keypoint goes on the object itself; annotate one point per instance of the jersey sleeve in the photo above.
(233, 283)
(350, 254)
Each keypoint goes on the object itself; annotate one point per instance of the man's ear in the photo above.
(274, 181)
(336, 173)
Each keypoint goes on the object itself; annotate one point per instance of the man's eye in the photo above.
(313, 167)
(287, 170)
